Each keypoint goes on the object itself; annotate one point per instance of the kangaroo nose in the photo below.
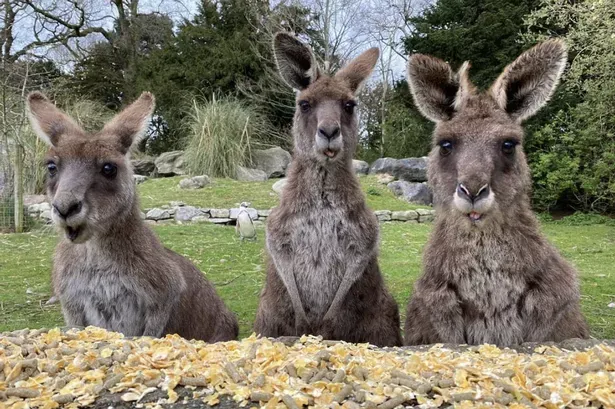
(468, 195)
(331, 132)
(66, 209)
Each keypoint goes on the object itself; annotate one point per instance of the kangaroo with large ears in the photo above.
(110, 270)
(323, 276)
(489, 275)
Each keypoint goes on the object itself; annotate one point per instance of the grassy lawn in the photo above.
(236, 268)
(223, 193)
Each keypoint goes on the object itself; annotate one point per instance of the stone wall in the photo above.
(182, 213)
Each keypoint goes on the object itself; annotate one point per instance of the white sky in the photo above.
(357, 24)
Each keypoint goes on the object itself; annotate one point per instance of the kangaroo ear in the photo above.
(129, 126)
(48, 122)
(528, 83)
(295, 61)
(433, 86)
(358, 70)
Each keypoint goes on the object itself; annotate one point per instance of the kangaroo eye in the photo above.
(109, 170)
(446, 147)
(304, 106)
(52, 169)
(508, 147)
(349, 106)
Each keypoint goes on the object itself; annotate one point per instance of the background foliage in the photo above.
(573, 152)
(223, 48)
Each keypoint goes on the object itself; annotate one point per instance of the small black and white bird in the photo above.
(245, 226)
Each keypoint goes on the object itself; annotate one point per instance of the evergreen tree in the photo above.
(484, 32)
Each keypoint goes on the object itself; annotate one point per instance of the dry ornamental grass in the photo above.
(50, 369)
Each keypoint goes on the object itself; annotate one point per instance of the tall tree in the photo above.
(484, 32)
(572, 152)
(389, 23)
(211, 54)
(110, 70)
(269, 92)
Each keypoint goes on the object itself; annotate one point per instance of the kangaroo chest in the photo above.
(320, 244)
(489, 295)
(100, 291)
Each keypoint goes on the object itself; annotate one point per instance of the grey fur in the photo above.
(110, 270)
(489, 274)
(323, 276)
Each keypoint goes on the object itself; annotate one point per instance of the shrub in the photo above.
(573, 157)
(223, 133)
(572, 153)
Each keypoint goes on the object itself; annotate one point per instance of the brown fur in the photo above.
(489, 274)
(323, 276)
(110, 270)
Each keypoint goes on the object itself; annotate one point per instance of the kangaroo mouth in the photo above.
(330, 153)
(474, 216)
(73, 233)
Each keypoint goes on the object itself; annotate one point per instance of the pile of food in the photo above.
(51, 368)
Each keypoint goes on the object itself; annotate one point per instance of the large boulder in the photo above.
(279, 185)
(195, 182)
(144, 166)
(360, 167)
(272, 161)
(29, 200)
(250, 175)
(409, 169)
(170, 163)
(382, 165)
(411, 192)
(39, 207)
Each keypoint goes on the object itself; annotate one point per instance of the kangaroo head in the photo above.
(90, 180)
(326, 123)
(477, 167)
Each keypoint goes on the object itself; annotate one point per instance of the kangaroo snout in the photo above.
(473, 199)
(329, 131)
(473, 196)
(67, 205)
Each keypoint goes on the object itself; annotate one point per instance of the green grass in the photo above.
(236, 268)
(224, 193)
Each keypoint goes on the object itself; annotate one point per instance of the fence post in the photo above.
(18, 175)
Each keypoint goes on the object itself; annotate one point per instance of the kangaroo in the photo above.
(489, 275)
(323, 276)
(110, 270)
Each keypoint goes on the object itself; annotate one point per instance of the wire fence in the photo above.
(7, 195)
(12, 213)
(21, 152)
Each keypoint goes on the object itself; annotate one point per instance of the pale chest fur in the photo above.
(101, 289)
(489, 290)
(319, 241)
